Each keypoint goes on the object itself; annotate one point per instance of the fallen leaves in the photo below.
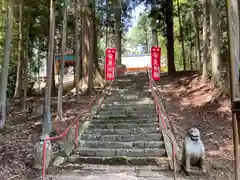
(18, 138)
(206, 109)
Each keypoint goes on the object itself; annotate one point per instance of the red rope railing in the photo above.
(65, 132)
(160, 116)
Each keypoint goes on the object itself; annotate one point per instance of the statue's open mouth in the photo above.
(194, 137)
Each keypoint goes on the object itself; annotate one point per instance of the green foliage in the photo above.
(140, 34)
(105, 17)
(36, 14)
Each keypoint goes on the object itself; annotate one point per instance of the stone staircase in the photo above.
(124, 131)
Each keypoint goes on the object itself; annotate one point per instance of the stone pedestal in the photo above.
(38, 152)
(120, 70)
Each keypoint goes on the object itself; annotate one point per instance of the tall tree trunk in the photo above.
(47, 124)
(62, 64)
(205, 38)
(38, 64)
(5, 63)
(77, 48)
(111, 37)
(154, 24)
(197, 41)
(215, 43)
(170, 38)
(91, 48)
(87, 43)
(25, 82)
(234, 50)
(86, 33)
(54, 88)
(118, 31)
(190, 55)
(54, 70)
(19, 77)
(95, 37)
(181, 36)
(107, 28)
(97, 76)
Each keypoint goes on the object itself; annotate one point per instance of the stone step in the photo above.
(123, 138)
(123, 131)
(122, 97)
(134, 152)
(115, 99)
(133, 95)
(127, 120)
(124, 116)
(127, 104)
(129, 89)
(134, 106)
(118, 100)
(137, 109)
(129, 93)
(122, 125)
(136, 161)
(138, 96)
(121, 91)
(126, 111)
(121, 145)
(112, 168)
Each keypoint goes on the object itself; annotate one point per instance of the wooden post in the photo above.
(233, 35)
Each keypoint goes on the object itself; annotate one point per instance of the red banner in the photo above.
(110, 64)
(155, 60)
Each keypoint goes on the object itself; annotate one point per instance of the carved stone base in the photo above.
(195, 171)
(38, 152)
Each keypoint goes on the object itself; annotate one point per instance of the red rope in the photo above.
(76, 133)
(160, 115)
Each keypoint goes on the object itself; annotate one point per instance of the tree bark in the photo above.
(154, 24)
(107, 29)
(86, 43)
(62, 64)
(190, 55)
(205, 38)
(91, 47)
(77, 50)
(118, 31)
(54, 88)
(197, 40)
(234, 50)
(47, 124)
(215, 43)
(170, 38)
(19, 77)
(25, 82)
(95, 37)
(97, 76)
(181, 36)
(5, 63)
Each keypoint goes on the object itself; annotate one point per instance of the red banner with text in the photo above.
(155, 60)
(110, 64)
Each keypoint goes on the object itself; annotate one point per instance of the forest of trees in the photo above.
(192, 33)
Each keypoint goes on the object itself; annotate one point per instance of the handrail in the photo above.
(160, 116)
(65, 132)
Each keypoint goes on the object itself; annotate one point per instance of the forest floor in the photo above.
(192, 103)
(189, 103)
(21, 134)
